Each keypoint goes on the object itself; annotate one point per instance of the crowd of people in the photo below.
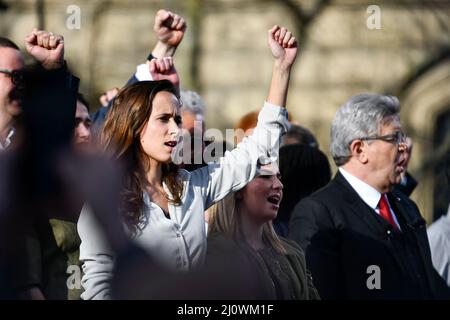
(98, 205)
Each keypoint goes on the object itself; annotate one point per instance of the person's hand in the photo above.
(164, 69)
(47, 48)
(169, 27)
(106, 97)
(283, 46)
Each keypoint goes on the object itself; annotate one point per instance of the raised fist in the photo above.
(164, 68)
(47, 48)
(169, 27)
(283, 45)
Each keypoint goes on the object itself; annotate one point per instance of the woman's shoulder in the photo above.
(291, 246)
(221, 242)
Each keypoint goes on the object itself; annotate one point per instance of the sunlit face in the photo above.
(386, 160)
(161, 133)
(10, 59)
(261, 197)
(82, 134)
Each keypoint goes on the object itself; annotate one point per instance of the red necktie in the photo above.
(385, 212)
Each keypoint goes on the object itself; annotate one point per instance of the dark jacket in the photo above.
(344, 239)
(265, 274)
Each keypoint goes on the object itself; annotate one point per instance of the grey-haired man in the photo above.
(363, 240)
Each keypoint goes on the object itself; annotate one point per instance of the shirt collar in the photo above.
(8, 139)
(366, 192)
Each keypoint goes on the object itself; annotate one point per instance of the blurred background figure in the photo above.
(192, 114)
(439, 237)
(83, 123)
(244, 127)
(192, 109)
(107, 96)
(38, 213)
(298, 134)
(407, 183)
(304, 169)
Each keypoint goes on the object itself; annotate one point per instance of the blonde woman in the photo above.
(240, 229)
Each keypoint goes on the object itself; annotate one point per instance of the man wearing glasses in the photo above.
(48, 50)
(11, 60)
(362, 240)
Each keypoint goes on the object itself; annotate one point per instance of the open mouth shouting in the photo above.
(171, 144)
(275, 199)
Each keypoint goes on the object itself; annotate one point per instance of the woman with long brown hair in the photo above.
(162, 206)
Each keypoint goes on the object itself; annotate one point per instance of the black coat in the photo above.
(342, 236)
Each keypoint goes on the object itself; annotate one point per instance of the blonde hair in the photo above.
(224, 219)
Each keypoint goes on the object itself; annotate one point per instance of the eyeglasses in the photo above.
(15, 75)
(396, 137)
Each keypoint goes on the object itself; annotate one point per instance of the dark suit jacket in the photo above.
(342, 236)
(408, 187)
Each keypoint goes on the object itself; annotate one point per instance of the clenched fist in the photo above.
(47, 48)
(169, 27)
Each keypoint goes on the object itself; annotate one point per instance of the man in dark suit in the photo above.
(362, 240)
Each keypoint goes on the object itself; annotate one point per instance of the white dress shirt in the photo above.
(180, 242)
(367, 193)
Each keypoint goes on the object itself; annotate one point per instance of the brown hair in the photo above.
(6, 43)
(248, 121)
(120, 137)
(224, 219)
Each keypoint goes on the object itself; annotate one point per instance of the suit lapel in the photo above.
(358, 206)
(366, 214)
(414, 223)
(412, 218)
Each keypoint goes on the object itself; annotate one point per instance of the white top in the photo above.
(367, 193)
(439, 237)
(143, 73)
(180, 242)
